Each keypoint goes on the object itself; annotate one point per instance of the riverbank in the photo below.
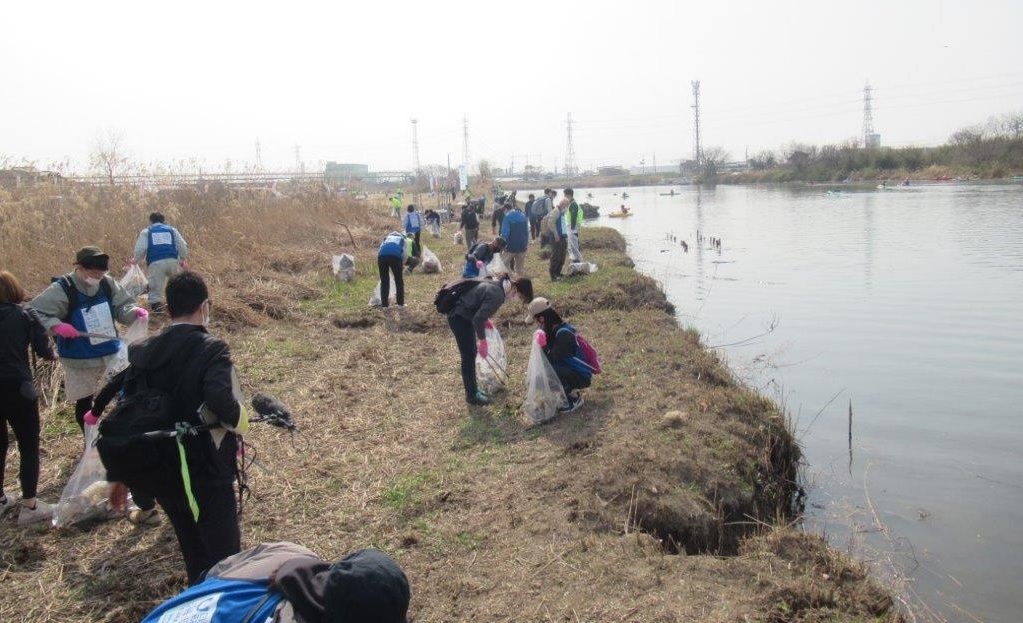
(664, 498)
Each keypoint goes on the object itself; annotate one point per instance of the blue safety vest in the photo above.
(218, 600)
(412, 222)
(82, 347)
(392, 246)
(161, 243)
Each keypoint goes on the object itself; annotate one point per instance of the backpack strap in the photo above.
(71, 293)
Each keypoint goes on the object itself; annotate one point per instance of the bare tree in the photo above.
(108, 155)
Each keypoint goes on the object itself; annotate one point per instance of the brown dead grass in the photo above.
(588, 518)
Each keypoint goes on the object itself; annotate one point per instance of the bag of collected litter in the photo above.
(119, 361)
(431, 263)
(344, 267)
(85, 495)
(457, 238)
(374, 301)
(580, 268)
(544, 393)
(495, 267)
(134, 281)
(492, 372)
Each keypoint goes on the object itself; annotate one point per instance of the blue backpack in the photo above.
(217, 600)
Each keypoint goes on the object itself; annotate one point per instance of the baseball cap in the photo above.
(92, 257)
(537, 306)
(366, 586)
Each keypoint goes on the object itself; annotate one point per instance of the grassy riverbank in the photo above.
(663, 499)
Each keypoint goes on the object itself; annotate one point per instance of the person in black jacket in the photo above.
(195, 368)
(20, 328)
(470, 319)
(561, 347)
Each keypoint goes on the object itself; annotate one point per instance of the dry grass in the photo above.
(588, 518)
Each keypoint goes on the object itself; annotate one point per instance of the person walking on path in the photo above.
(164, 251)
(20, 329)
(195, 370)
(574, 216)
(86, 301)
(390, 257)
(561, 347)
(481, 255)
(515, 230)
(469, 225)
(559, 241)
(287, 583)
(497, 218)
(470, 319)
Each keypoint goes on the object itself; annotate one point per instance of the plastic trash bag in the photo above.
(375, 301)
(544, 393)
(492, 373)
(580, 268)
(495, 267)
(457, 238)
(86, 495)
(134, 281)
(119, 361)
(431, 263)
(344, 267)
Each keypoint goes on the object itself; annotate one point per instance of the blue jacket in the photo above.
(393, 246)
(161, 243)
(413, 222)
(515, 230)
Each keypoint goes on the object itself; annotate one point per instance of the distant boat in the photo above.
(671, 194)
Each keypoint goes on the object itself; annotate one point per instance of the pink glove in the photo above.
(141, 313)
(65, 331)
(483, 348)
(488, 324)
(118, 497)
(183, 264)
(90, 419)
(479, 265)
(541, 338)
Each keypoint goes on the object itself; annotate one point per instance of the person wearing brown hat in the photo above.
(561, 347)
(287, 583)
(79, 310)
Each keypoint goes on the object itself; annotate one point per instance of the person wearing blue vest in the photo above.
(287, 583)
(79, 309)
(562, 350)
(413, 225)
(164, 251)
(515, 230)
(390, 257)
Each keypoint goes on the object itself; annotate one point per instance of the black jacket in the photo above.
(20, 328)
(194, 367)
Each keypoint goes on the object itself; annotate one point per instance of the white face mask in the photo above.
(92, 281)
(506, 284)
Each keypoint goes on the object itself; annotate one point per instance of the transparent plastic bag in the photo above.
(86, 494)
(134, 281)
(495, 267)
(492, 373)
(375, 301)
(544, 393)
(431, 263)
(344, 267)
(580, 268)
(457, 238)
(119, 361)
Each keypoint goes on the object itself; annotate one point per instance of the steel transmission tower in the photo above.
(415, 146)
(697, 148)
(871, 139)
(465, 140)
(259, 155)
(570, 166)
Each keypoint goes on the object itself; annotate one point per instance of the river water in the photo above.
(905, 305)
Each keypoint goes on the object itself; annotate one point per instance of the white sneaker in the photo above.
(7, 504)
(42, 512)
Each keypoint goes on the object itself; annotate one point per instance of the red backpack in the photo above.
(587, 353)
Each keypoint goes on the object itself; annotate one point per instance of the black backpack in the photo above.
(447, 297)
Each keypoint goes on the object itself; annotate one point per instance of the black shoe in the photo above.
(572, 404)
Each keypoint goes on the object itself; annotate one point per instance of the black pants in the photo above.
(390, 263)
(23, 416)
(570, 379)
(214, 537)
(534, 227)
(465, 339)
(417, 249)
(82, 406)
(558, 250)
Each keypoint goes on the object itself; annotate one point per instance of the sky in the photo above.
(205, 81)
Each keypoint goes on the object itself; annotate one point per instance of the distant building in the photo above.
(872, 141)
(341, 171)
(615, 170)
(16, 177)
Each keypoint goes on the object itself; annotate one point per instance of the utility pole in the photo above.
(415, 146)
(697, 149)
(259, 155)
(570, 168)
(465, 141)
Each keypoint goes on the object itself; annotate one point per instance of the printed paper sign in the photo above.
(98, 320)
(163, 237)
(196, 611)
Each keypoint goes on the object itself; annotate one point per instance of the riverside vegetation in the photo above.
(668, 497)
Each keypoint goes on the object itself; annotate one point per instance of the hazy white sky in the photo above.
(342, 80)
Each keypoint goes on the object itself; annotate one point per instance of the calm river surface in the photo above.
(908, 304)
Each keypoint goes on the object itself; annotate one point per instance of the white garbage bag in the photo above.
(580, 268)
(138, 331)
(375, 301)
(344, 267)
(431, 263)
(86, 495)
(492, 373)
(457, 238)
(134, 281)
(495, 267)
(544, 393)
